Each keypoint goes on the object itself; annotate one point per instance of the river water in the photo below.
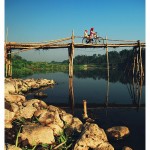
(117, 101)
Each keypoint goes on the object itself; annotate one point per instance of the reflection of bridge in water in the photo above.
(134, 89)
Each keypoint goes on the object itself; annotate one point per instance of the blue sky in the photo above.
(44, 20)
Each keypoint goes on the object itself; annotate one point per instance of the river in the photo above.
(117, 101)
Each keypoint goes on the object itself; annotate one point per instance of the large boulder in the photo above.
(37, 134)
(92, 136)
(117, 132)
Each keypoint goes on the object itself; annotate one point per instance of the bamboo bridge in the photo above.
(70, 44)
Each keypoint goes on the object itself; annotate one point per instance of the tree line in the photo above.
(117, 60)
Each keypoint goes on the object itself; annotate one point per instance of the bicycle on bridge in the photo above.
(95, 40)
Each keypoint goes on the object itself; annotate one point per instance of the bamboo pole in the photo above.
(9, 64)
(71, 54)
(85, 115)
(137, 63)
(141, 66)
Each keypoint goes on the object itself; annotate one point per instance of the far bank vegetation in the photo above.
(117, 60)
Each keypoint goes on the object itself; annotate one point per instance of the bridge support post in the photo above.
(8, 63)
(140, 60)
(71, 54)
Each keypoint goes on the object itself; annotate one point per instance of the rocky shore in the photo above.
(32, 124)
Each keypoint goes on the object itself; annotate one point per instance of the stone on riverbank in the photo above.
(92, 137)
(117, 132)
(37, 134)
(17, 86)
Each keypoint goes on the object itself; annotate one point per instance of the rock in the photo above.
(117, 132)
(36, 103)
(54, 108)
(56, 129)
(26, 112)
(14, 107)
(67, 118)
(14, 98)
(12, 147)
(37, 134)
(9, 87)
(9, 117)
(126, 148)
(92, 136)
(30, 82)
(76, 125)
(104, 146)
(57, 119)
(44, 116)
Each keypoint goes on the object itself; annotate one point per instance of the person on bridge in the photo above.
(92, 33)
(86, 34)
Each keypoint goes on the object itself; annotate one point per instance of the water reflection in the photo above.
(71, 95)
(134, 88)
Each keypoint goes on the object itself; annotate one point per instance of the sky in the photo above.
(45, 20)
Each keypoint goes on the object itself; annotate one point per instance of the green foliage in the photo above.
(117, 60)
(64, 141)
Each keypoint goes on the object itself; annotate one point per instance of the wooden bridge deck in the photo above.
(13, 45)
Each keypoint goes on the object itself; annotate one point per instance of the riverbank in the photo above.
(34, 124)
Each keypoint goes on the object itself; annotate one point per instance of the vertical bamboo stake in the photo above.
(9, 64)
(141, 66)
(137, 63)
(71, 54)
(85, 116)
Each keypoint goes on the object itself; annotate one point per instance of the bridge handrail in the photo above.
(45, 42)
